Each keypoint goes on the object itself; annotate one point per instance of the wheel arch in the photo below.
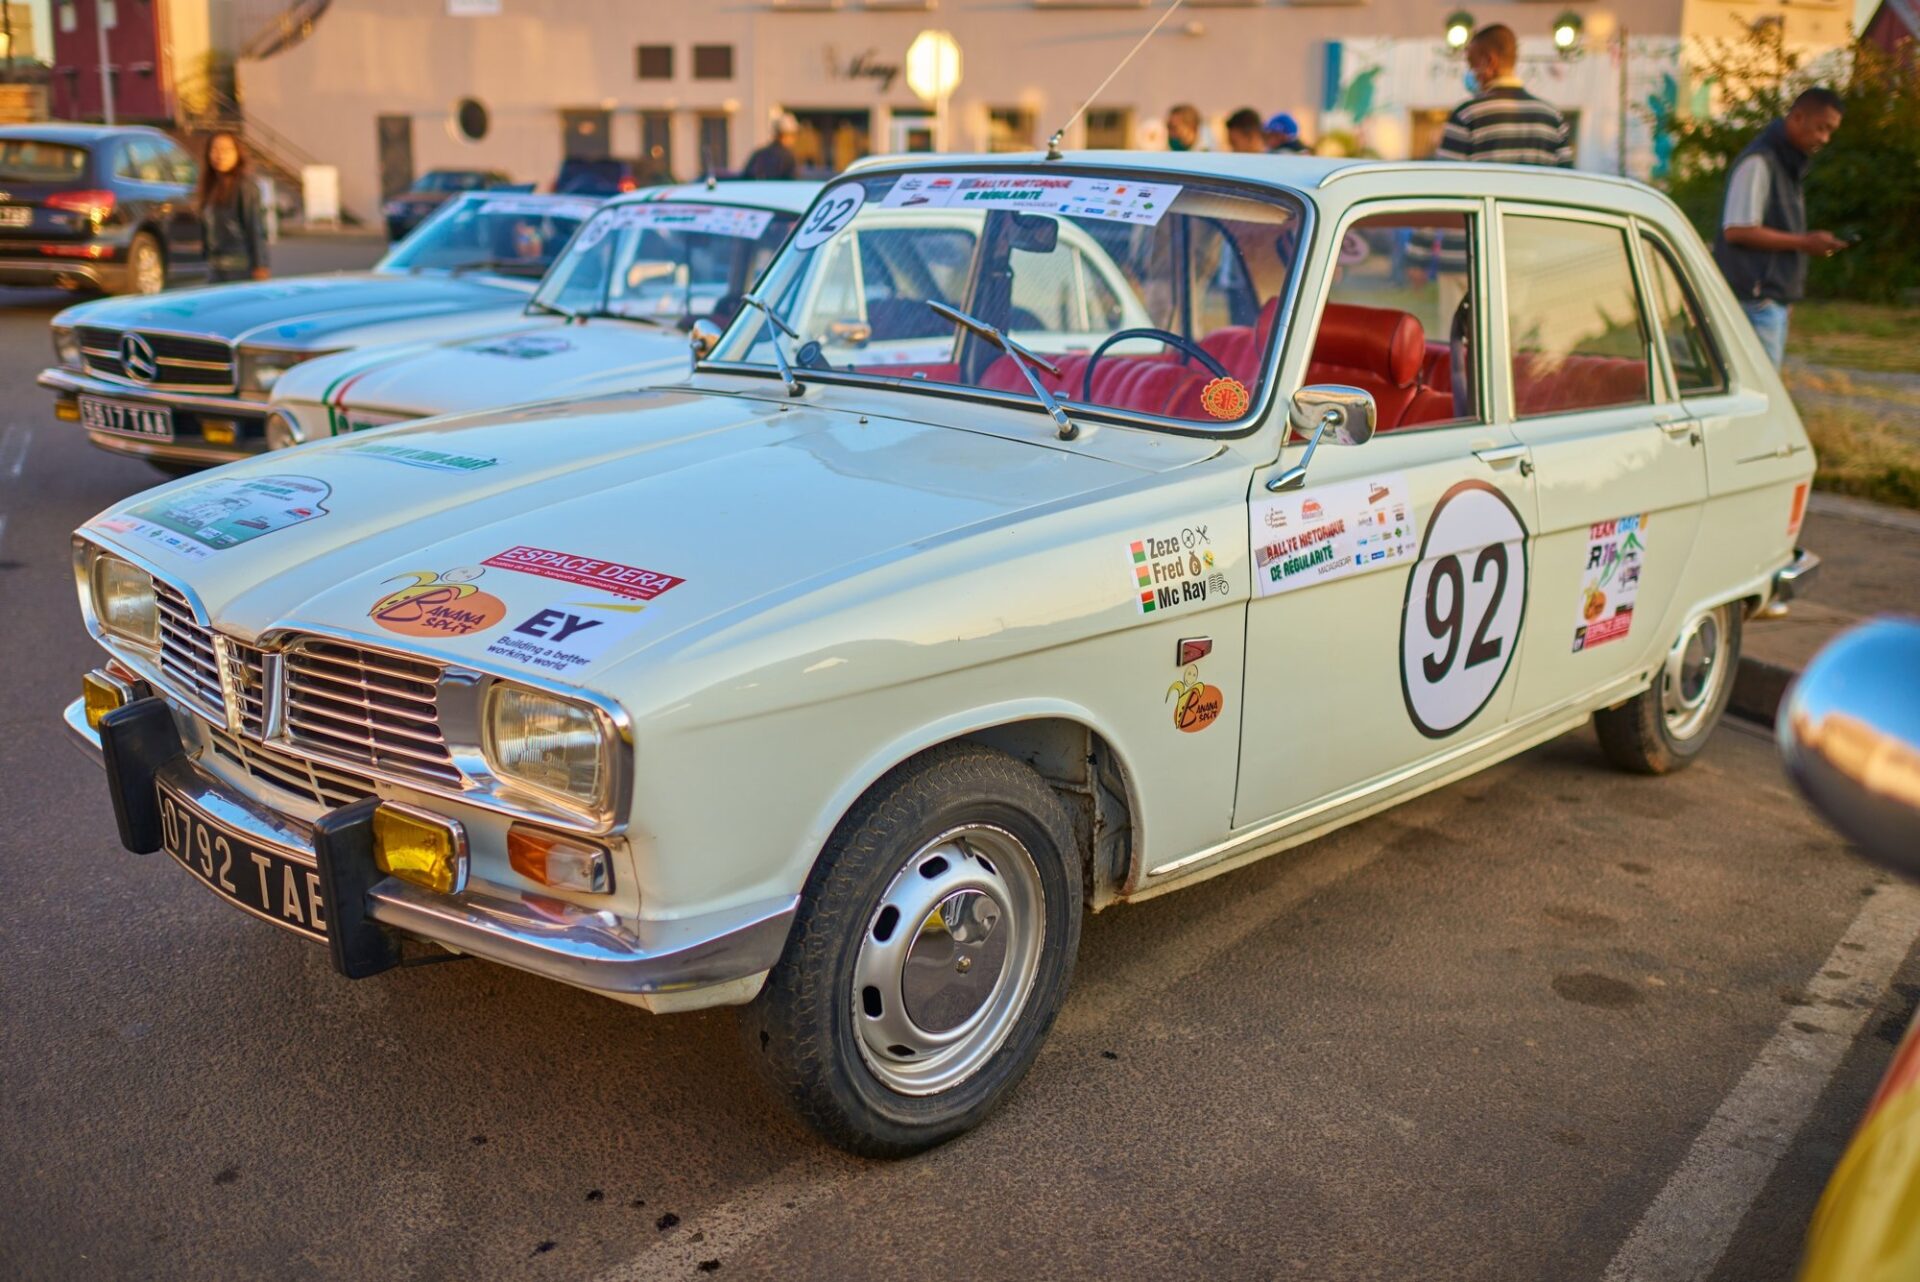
(1067, 746)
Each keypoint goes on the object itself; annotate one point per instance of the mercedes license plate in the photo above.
(126, 418)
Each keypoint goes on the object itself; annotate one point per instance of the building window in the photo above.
(470, 119)
(1009, 129)
(1109, 128)
(656, 145)
(716, 150)
(713, 62)
(654, 62)
(69, 18)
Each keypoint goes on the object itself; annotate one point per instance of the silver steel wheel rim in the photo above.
(947, 960)
(1695, 669)
(147, 276)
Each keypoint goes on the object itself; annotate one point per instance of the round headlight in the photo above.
(66, 346)
(555, 746)
(284, 430)
(123, 601)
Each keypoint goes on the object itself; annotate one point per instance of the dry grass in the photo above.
(1863, 454)
(1874, 336)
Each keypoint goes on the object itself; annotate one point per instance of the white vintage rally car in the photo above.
(840, 689)
(610, 315)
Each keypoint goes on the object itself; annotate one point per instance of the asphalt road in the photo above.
(1473, 1038)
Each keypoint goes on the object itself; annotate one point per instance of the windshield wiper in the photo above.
(499, 266)
(779, 327)
(1023, 360)
(548, 309)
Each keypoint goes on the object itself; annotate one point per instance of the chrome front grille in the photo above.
(322, 785)
(246, 689)
(186, 652)
(367, 707)
(202, 364)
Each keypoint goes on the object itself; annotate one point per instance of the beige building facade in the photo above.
(387, 89)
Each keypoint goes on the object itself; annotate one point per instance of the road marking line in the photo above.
(20, 459)
(1685, 1231)
(728, 1228)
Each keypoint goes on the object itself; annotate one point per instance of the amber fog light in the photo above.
(419, 847)
(219, 431)
(564, 863)
(101, 694)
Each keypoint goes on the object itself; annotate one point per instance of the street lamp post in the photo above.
(101, 8)
(933, 73)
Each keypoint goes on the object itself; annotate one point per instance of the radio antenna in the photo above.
(1053, 143)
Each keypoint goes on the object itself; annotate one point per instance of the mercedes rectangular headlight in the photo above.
(66, 346)
(261, 368)
(557, 747)
(124, 601)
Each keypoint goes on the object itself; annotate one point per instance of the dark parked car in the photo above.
(603, 177)
(404, 212)
(96, 207)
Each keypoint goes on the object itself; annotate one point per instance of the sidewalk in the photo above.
(1870, 564)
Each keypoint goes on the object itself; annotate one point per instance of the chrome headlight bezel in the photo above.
(106, 571)
(66, 347)
(262, 367)
(503, 699)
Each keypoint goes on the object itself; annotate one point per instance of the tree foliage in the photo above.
(1867, 180)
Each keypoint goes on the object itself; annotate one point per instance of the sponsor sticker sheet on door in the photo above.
(1610, 580)
(1330, 532)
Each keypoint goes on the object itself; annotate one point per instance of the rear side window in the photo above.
(28, 160)
(177, 165)
(1575, 332)
(1696, 364)
(140, 162)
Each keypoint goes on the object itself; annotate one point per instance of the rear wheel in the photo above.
(929, 957)
(146, 268)
(1664, 727)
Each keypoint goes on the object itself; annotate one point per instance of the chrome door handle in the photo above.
(1675, 426)
(1501, 454)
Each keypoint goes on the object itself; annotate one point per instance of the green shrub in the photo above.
(1866, 182)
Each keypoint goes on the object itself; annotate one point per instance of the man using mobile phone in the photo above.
(1763, 243)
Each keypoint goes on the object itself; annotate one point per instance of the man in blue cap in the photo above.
(1283, 135)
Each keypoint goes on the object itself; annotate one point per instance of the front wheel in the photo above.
(1664, 727)
(930, 954)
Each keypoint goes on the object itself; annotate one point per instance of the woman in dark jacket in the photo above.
(229, 204)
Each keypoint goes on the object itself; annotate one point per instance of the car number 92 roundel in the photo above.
(1466, 599)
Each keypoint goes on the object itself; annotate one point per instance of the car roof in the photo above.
(792, 196)
(538, 197)
(77, 135)
(1301, 172)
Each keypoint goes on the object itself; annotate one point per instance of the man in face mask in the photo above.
(1183, 128)
(1763, 243)
(1502, 122)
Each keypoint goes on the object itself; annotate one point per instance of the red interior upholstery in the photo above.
(1144, 384)
(1437, 373)
(1544, 384)
(1240, 347)
(1375, 349)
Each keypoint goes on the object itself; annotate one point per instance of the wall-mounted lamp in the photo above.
(1459, 29)
(1567, 30)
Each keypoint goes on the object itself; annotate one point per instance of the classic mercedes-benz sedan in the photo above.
(610, 315)
(181, 379)
(838, 681)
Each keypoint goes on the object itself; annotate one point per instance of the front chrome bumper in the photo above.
(546, 937)
(1793, 579)
(250, 418)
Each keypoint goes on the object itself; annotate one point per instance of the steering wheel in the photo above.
(1184, 345)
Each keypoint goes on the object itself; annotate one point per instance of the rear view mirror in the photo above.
(1849, 730)
(702, 338)
(1035, 233)
(1348, 412)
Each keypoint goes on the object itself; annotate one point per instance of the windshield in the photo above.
(30, 160)
(667, 261)
(1146, 296)
(505, 235)
(451, 180)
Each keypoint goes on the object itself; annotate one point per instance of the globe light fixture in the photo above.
(1459, 29)
(1567, 30)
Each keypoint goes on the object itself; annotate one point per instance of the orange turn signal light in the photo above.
(565, 863)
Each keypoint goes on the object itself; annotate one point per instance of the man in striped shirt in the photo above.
(1502, 123)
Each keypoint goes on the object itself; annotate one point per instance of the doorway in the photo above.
(396, 155)
(586, 133)
(831, 139)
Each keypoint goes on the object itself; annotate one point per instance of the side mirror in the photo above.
(1849, 730)
(702, 338)
(850, 333)
(1348, 412)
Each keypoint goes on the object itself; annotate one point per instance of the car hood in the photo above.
(538, 359)
(671, 513)
(300, 311)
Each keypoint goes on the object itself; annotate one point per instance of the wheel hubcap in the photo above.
(1695, 668)
(146, 271)
(948, 959)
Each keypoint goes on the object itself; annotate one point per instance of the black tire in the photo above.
(1639, 737)
(175, 470)
(801, 1029)
(139, 249)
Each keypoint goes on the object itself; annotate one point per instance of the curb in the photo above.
(1758, 688)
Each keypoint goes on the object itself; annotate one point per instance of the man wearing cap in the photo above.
(1283, 136)
(776, 160)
